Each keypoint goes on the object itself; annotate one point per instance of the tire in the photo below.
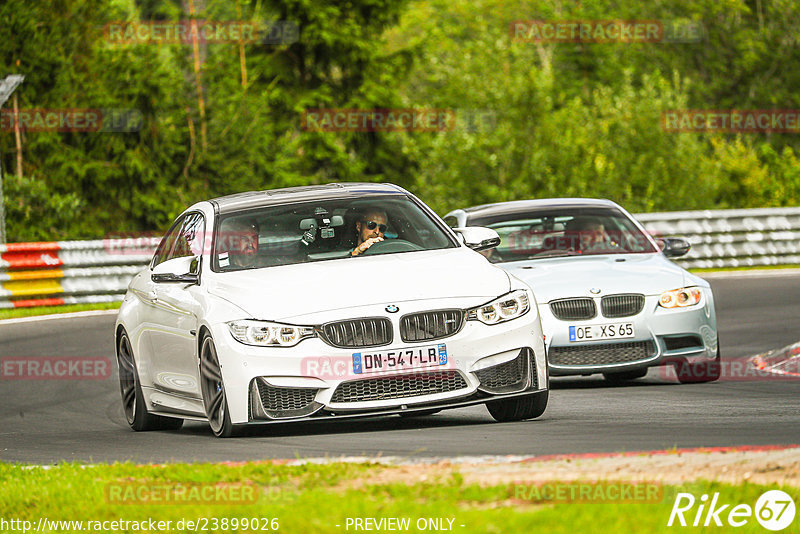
(699, 373)
(213, 389)
(624, 376)
(133, 404)
(517, 409)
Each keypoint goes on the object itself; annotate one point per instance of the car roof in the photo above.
(252, 199)
(521, 206)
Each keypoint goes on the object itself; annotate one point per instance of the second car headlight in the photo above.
(268, 334)
(680, 298)
(508, 307)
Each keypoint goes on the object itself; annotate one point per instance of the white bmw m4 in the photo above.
(324, 302)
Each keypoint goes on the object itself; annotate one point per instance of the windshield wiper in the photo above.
(556, 254)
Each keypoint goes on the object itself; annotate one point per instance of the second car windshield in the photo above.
(322, 230)
(564, 232)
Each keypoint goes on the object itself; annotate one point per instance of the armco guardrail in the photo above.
(70, 272)
(732, 238)
(66, 272)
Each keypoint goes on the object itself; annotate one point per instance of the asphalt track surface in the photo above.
(48, 421)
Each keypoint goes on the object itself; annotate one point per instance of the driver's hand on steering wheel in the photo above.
(365, 245)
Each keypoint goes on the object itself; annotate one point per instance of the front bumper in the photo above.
(661, 337)
(314, 380)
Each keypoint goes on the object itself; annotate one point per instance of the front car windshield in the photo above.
(323, 230)
(558, 232)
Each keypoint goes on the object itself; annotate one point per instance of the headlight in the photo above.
(680, 298)
(510, 306)
(267, 334)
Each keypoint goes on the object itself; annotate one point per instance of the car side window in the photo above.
(186, 238)
(168, 242)
(190, 239)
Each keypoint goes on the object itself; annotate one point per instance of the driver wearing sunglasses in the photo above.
(370, 229)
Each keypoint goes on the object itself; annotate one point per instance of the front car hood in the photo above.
(282, 293)
(574, 276)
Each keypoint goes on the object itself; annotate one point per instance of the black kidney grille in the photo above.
(621, 305)
(354, 333)
(431, 325)
(398, 387)
(601, 354)
(573, 309)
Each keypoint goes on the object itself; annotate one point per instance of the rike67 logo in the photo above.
(774, 510)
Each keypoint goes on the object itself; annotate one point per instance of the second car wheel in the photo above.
(699, 373)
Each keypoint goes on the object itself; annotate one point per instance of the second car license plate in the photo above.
(600, 331)
(408, 358)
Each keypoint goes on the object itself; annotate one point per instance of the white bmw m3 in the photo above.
(610, 299)
(324, 302)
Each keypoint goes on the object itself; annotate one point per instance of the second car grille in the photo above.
(396, 387)
(431, 325)
(369, 332)
(573, 309)
(509, 376)
(605, 354)
(621, 305)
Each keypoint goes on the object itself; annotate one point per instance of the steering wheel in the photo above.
(388, 246)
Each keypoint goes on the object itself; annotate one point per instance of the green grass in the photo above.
(316, 498)
(47, 310)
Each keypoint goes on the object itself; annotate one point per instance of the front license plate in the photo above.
(409, 358)
(600, 331)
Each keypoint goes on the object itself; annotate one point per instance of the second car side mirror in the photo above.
(185, 270)
(674, 247)
(478, 238)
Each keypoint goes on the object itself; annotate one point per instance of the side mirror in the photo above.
(674, 247)
(478, 238)
(184, 270)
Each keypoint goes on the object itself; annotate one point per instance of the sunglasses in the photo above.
(371, 225)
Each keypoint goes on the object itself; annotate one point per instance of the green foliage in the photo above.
(533, 120)
(584, 119)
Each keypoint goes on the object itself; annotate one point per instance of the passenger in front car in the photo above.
(241, 241)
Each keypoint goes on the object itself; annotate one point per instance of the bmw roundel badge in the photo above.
(391, 308)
